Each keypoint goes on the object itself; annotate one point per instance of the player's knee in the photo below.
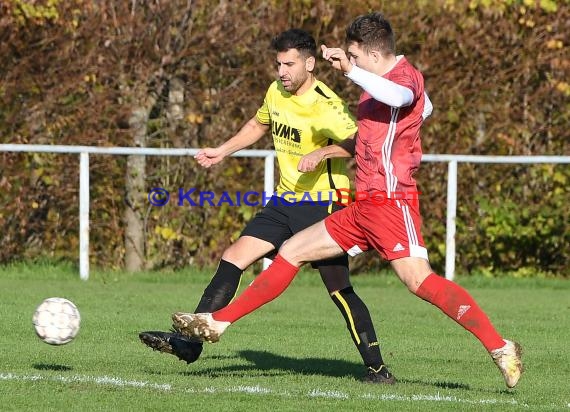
(291, 253)
(335, 278)
(292, 258)
(411, 285)
(412, 272)
(230, 254)
(236, 255)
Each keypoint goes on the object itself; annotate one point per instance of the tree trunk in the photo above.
(135, 195)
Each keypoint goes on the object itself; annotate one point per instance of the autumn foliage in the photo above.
(76, 71)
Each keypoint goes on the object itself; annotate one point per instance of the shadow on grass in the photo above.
(51, 367)
(325, 367)
(305, 366)
(263, 363)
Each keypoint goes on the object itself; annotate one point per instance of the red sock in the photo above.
(267, 286)
(456, 303)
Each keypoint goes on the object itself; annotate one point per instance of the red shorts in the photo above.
(391, 227)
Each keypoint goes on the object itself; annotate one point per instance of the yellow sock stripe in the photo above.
(349, 315)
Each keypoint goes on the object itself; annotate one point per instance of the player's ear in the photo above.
(376, 56)
(310, 64)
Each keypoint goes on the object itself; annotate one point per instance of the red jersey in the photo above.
(388, 148)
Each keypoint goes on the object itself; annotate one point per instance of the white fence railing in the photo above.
(269, 156)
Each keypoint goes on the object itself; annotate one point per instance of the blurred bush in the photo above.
(74, 71)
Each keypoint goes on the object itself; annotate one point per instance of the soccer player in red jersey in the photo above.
(388, 153)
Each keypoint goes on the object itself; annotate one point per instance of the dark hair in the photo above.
(295, 39)
(372, 31)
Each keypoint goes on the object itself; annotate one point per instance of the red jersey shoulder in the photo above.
(405, 74)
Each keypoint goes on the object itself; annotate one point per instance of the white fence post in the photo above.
(84, 215)
(450, 223)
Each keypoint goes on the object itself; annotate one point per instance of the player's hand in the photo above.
(309, 162)
(208, 157)
(337, 58)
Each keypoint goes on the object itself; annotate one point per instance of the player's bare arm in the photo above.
(310, 161)
(250, 133)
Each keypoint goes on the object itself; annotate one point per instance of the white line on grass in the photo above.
(255, 390)
(98, 380)
(316, 393)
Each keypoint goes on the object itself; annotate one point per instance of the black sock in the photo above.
(221, 289)
(359, 325)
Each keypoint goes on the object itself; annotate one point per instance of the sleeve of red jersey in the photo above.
(398, 91)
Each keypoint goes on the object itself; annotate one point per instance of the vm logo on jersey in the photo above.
(286, 132)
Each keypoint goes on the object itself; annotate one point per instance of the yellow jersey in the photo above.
(299, 125)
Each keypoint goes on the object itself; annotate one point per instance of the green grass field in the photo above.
(293, 354)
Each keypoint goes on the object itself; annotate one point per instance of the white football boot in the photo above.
(201, 325)
(508, 359)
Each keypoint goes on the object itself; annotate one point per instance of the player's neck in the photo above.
(306, 85)
(387, 64)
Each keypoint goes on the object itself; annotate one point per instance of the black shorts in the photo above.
(279, 220)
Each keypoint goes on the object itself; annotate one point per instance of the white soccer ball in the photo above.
(56, 321)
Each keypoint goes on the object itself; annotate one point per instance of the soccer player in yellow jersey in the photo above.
(312, 130)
